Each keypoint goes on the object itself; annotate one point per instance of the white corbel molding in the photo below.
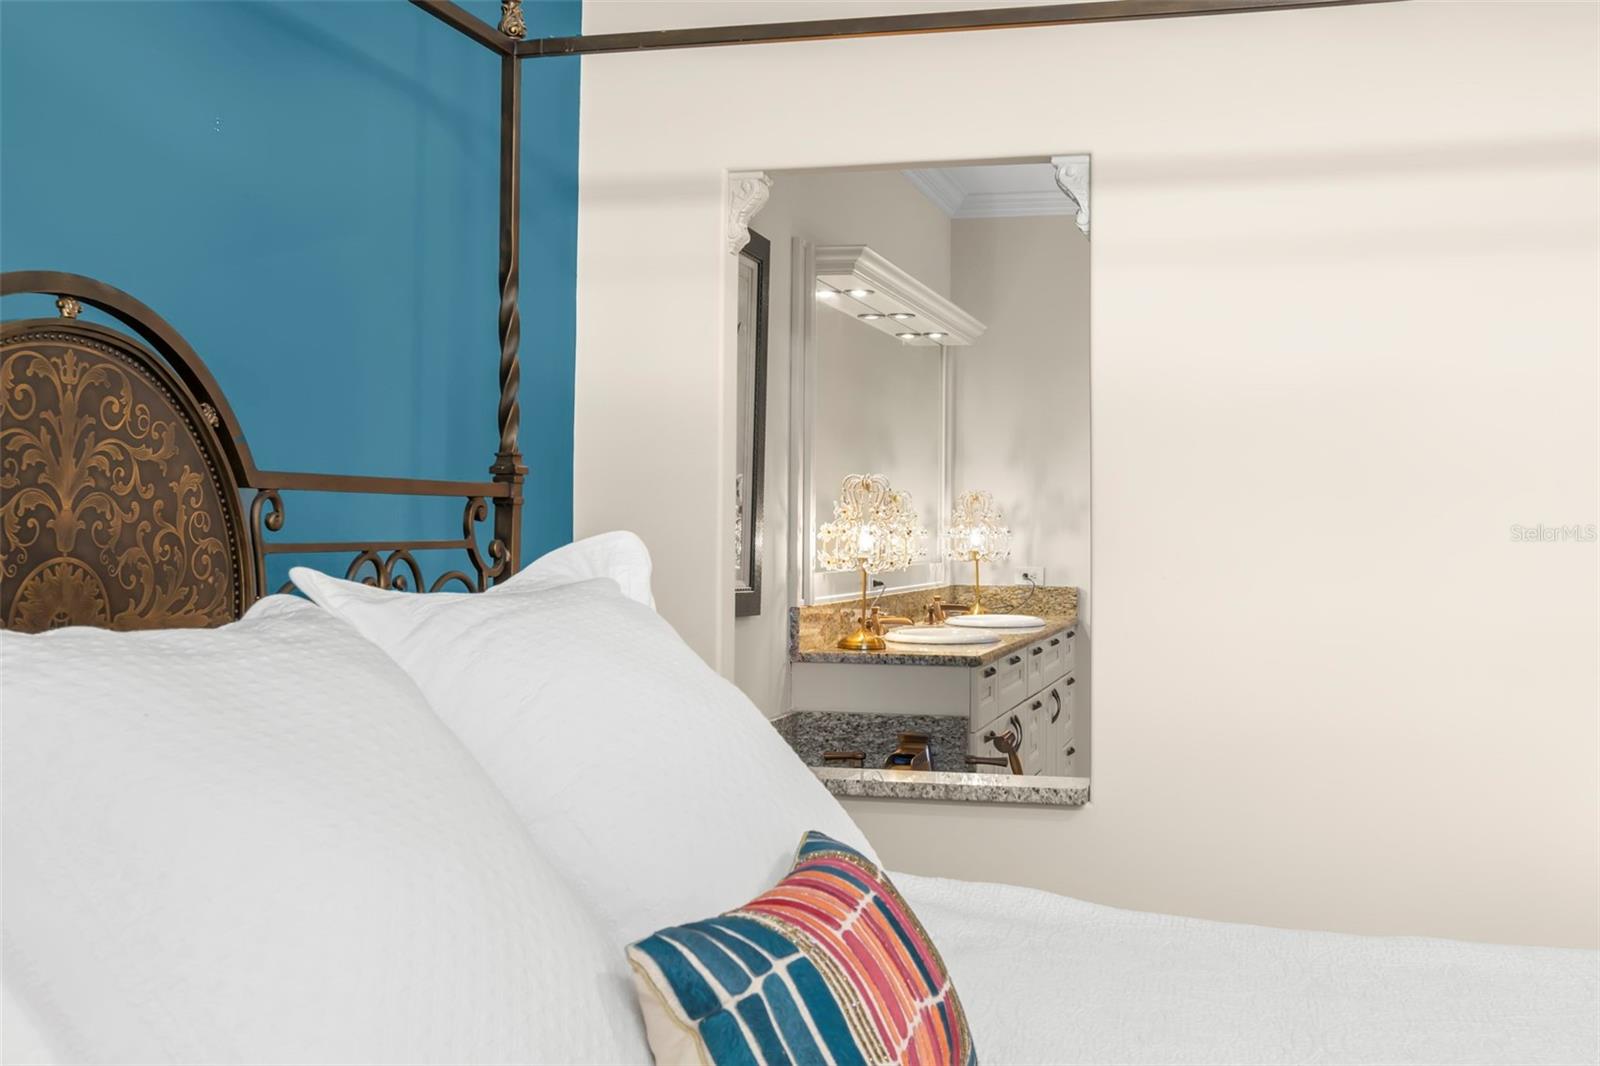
(1072, 174)
(747, 194)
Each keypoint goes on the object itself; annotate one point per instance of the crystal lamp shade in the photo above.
(875, 528)
(976, 530)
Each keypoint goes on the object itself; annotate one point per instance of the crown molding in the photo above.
(948, 195)
(1015, 204)
(939, 187)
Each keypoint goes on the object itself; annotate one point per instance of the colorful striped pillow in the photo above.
(830, 966)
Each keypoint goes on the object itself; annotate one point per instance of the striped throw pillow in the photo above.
(828, 967)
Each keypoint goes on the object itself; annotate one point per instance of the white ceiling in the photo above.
(994, 191)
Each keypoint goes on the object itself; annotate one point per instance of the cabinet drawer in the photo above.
(1049, 659)
(999, 686)
(1052, 657)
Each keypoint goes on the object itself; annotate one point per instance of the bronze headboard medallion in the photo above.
(118, 509)
(122, 470)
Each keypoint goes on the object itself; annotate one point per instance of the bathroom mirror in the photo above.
(931, 326)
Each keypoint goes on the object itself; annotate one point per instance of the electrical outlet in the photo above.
(1030, 572)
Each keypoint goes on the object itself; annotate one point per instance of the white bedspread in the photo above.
(1050, 979)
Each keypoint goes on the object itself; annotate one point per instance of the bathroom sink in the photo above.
(996, 621)
(938, 635)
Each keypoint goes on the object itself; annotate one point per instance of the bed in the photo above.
(222, 804)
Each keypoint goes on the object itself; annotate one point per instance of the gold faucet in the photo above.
(879, 622)
(938, 610)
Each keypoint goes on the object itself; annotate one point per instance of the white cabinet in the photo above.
(1030, 693)
(1044, 721)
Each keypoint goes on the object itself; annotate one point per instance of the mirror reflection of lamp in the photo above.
(875, 530)
(977, 532)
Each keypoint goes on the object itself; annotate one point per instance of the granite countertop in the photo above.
(814, 631)
(971, 788)
(822, 650)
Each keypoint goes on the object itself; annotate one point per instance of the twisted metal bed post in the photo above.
(508, 467)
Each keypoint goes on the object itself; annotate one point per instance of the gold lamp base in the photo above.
(977, 588)
(863, 639)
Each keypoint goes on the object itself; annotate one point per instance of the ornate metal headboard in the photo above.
(123, 474)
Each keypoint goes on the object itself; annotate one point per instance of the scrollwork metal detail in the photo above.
(113, 511)
(386, 564)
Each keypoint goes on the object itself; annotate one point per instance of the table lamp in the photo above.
(875, 530)
(976, 532)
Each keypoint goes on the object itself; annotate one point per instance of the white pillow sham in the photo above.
(619, 555)
(258, 844)
(662, 790)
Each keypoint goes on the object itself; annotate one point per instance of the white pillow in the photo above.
(258, 844)
(619, 555)
(662, 788)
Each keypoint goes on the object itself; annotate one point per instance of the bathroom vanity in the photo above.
(978, 705)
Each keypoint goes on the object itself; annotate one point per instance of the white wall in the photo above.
(880, 409)
(1022, 390)
(1344, 336)
(879, 208)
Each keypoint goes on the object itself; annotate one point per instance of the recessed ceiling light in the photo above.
(872, 317)
(901, 316)
(859, 293)
(907, 336)
(934, 336)
(823, 294)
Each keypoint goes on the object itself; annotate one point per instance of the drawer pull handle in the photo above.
(1055, 642)
(989, 672)
(1008, 744)
(1038, 651)
(1014, 660)
(1072, 681)
(1055, 695)
(1036, 705)
(1071, 633)
(1072, 751)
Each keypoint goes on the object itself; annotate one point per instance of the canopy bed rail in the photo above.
(124, 471)
(998, 18)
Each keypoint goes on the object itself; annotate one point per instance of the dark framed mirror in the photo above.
(755, 269)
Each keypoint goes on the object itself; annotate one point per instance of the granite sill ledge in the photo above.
(959, 787)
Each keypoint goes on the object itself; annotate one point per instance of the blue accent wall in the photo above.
(308, 192)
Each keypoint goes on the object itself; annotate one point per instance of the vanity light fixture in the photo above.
(881, 296)
(976, 532)
(875, 529)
